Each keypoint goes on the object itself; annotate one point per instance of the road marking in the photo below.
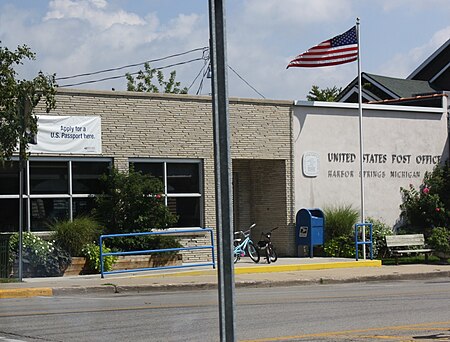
(418, 326)
(4, 339)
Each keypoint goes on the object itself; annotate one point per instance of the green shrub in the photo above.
(144, 242)
(72, 236)
(379, 231)
(440, 240)
(132, 203)
(340, 221)
(341, 246)
(92, 253)
(40, 258)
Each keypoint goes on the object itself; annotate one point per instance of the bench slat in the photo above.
(405, 240)
(412, 251)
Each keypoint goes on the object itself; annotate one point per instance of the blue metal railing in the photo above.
(149, 251)
(365, 241)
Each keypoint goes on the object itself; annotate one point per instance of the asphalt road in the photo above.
(373, 311)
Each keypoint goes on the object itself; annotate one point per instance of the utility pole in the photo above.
(222, 160)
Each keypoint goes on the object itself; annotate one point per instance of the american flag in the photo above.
(337, 50)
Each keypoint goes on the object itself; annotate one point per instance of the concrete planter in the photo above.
(128, 262)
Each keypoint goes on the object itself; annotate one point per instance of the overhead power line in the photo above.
(203, 71)
(204, 49)
(133, 73)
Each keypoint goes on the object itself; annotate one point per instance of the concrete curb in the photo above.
(243, 284)
(194, 280)
(26, 292)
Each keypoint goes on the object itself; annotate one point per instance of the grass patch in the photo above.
(409, 260)
(9, 280)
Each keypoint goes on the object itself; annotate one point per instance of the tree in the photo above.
(327, 94)
(132, 202)
(18, 99)
(144, 82)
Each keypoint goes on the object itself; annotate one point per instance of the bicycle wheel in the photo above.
(268, 253)
(236, 252)
(271, 252)
(237, 256)
(252, 252)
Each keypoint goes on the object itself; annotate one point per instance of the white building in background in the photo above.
(400, 144)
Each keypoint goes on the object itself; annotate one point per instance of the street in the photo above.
(372, 311)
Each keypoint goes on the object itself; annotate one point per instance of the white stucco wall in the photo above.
(400, 144)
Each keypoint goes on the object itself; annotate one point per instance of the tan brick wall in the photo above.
(145, 125)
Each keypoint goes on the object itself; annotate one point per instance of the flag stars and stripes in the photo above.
(337, 50)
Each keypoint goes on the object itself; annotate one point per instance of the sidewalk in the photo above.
(286, 271)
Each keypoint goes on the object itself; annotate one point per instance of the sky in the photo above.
(72, 37)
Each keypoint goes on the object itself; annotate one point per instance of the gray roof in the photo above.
(402, 87)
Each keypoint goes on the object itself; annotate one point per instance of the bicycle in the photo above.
(266, 244)
(243, 245)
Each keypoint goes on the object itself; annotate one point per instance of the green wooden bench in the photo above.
(406, 244)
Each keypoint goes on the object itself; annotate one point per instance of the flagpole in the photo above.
(361, 140)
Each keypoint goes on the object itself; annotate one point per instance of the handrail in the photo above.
(364, 242)
(148, 251)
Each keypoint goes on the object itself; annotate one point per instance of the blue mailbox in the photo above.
(309, 228)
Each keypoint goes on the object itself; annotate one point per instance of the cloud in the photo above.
(402, 65)
(297, 12)
(413, 5)
(94, 12)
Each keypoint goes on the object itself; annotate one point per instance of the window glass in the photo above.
(182, 178)
(9, 215)
(187, 209)
(86, 176)
(49, 177)
(9, 178)
(154, 169)
(47, 210)
(82, 206)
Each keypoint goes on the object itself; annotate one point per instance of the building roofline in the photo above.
(368, 106)
(403, 99)
(198, 98)
(428, 60)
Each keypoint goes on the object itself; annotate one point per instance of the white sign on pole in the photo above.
(68, 135)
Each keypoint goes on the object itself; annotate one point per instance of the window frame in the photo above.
(27, 197)
(167, 194)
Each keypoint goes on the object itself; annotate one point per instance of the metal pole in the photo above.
(24, 107)
(361, 139)
(224, 211)
(21, 167)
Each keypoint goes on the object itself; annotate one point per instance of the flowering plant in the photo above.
(422, 209)
(40, 257)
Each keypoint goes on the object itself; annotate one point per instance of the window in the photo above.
(49, 178)
(9, 178)
(182, 184)
(57, 189)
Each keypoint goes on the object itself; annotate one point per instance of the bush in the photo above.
(379, 231)
(72, 236)
(440, 240)
(341, 246)
(40, 258)
(429, 205)
(340, 221)
(133, 203)
(92, 253)
(145, 242)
